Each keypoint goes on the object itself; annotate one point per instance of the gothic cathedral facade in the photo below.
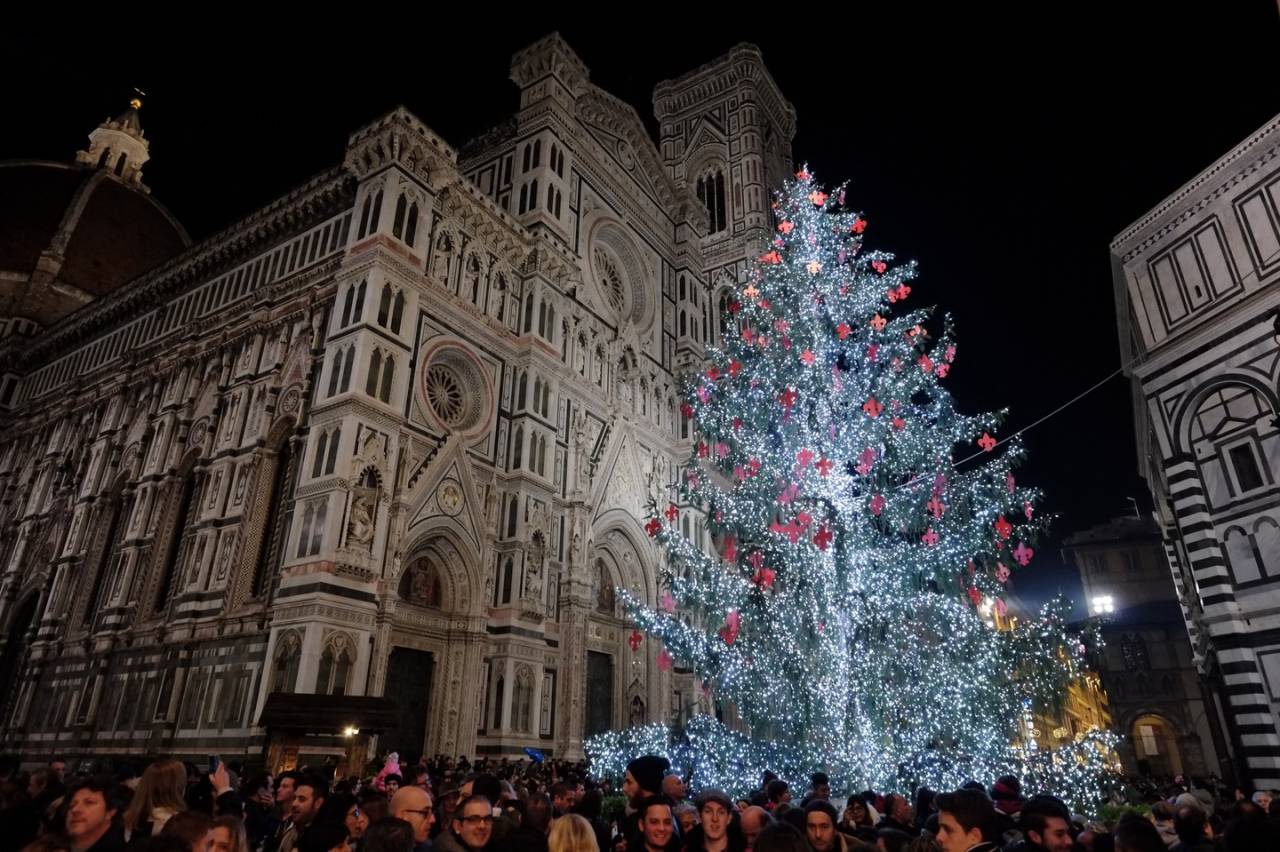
(393, 435)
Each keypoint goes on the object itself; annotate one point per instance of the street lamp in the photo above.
(1102, 605)
(351, 731)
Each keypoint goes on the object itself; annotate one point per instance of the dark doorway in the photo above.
(409, 686)
(599, 692)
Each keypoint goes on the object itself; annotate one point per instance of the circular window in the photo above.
(455, 389)
(611, 281)
(621, 277)
(444, 393)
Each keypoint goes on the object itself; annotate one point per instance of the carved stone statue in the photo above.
(360, 526)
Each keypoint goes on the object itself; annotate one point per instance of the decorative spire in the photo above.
(120, 145)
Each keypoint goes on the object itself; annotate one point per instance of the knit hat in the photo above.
(1006, 787)
(648, 770)
(711, 795)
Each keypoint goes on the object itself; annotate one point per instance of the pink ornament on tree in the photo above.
(866, 461)
(987, 442)
(823, 538)
(1003, 528)
(1002, 573)
(930, 537)
(732, 623)
(668, 603)
(764, 578)
(664, 661)
(1023, 554)
(941, 370)
(877, 504)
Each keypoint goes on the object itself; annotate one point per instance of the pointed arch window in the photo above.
(411, 227)
(287, 657)
(397, 223)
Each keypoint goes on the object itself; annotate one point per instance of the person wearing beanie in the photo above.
(717, 830)
(642, 782)
(644, 777)
(1006, 795)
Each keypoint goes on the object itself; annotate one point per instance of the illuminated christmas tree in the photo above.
(864, 531)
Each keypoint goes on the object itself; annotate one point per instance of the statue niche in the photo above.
(420, 583)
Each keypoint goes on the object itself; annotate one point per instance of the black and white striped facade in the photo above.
(409, 411)
(1197, 287)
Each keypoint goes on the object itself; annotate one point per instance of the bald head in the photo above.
(413, 805)
(673, 788)
(754, 819)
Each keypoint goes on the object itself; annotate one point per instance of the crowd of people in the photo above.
(447, 805)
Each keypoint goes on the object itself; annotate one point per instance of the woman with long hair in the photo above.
(160, 795)
(228, 835)
(572, 833)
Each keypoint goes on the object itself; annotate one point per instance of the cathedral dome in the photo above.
(73, 232)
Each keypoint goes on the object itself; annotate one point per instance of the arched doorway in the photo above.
(437, 603)
(621, 689)
(15, 650)
(1155, 745)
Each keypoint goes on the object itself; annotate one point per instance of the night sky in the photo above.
(1001, 152)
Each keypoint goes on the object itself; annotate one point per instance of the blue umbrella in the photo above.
(537, 756)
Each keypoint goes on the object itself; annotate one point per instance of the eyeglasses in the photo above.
(476, 819)
(416, 811)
